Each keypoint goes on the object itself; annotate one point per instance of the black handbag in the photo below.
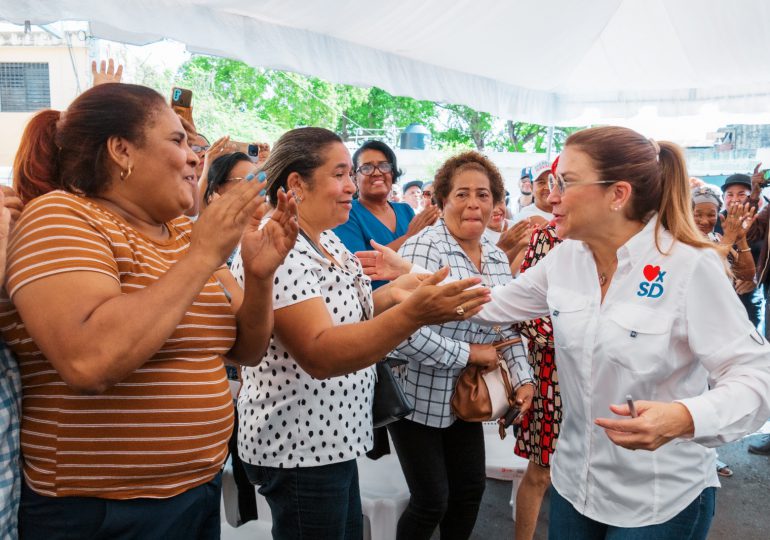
(390, 403)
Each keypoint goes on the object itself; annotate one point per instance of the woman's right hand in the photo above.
(431, 303)
(484, 356)
(219, 228)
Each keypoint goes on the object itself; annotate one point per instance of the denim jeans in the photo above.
(753, 302)
(309, 503)
(192, 515)
(692, 523)
(445, 471)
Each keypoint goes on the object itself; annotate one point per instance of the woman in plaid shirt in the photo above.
(443, 456)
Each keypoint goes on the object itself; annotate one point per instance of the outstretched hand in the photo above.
(264, 247)
(657, 424)
(106, 73)
(383, 263)
(431, 303)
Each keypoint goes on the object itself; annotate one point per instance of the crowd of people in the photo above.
(143, 264)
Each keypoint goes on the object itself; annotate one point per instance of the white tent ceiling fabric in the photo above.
(528, 60)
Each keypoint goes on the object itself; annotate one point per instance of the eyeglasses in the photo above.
(367, 169)
(427, 194)
(197, 149)
(559, 183)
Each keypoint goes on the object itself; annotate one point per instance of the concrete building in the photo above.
(40, 67)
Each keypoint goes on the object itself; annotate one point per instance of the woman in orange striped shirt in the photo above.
(120, 325)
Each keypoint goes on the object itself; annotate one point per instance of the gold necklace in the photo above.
(602, 278)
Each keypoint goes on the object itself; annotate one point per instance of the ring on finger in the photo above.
(460, 310)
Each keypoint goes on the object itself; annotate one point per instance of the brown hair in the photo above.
(300, 150)
(657, 172)
(442, 183)
(68, 150)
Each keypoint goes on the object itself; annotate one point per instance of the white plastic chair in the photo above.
(384, 496)
(502, 463)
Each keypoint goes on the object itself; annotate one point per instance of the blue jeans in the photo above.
(753, 301)
(192, 515)
(692, 523)
(309, 503)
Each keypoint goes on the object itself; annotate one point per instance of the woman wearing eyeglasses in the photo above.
(372, 216)
(644, 317)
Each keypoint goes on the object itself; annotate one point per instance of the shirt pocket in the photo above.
(638, 339)
(569, 317)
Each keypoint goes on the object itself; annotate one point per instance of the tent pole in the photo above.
(550, 141)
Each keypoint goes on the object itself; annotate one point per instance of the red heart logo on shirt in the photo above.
(651, 272)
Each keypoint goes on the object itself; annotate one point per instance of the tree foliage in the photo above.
(250, 103)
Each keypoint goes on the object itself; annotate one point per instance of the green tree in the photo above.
(378, 113)
(251, 103)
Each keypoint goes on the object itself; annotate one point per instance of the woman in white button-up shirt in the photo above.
(642, 306)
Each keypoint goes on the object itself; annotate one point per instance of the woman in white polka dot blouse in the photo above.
(305, 410)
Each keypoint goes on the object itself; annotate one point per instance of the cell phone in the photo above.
(511, 416)
(181, 97)
(250, 149)
(766, 176)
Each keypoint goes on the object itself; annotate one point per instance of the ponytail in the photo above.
(36, 164)
(675, 210)
(656, 171)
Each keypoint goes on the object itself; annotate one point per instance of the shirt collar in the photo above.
(639, 244)
(488, 249)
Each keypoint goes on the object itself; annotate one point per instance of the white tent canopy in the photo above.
(529, 60)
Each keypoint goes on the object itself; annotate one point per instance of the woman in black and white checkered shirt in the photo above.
(443, 456)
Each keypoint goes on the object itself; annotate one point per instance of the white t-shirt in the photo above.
(532, 210)
(286, 417)
(494, 236)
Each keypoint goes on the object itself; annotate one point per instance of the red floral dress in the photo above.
(536, 439)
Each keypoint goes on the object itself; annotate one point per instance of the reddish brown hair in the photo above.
(35, 166)
(68, 150)
(657, 172)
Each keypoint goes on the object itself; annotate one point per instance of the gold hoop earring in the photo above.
(125, 174)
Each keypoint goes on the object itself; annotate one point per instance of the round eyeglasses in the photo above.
(367, 169)
(558, 183)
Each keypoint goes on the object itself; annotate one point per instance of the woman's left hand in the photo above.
(657, 424)
(383, 263)
(263, 249)
(524, 396)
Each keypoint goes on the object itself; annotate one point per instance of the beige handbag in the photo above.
(484, 397)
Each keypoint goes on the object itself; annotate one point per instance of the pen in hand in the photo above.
(631, 406)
